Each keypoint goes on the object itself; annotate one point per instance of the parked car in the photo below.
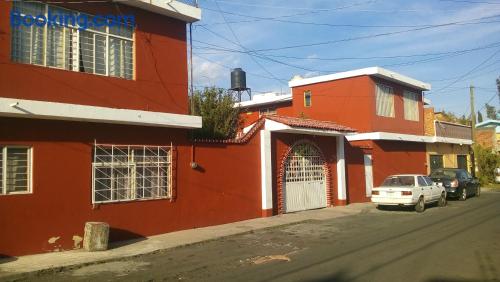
(458, 182)
(408, 190)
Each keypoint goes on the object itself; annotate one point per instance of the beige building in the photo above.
(446, 155)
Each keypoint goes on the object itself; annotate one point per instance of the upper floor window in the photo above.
(51, 36)
(410, 105)
(307, 98)
(384, 101)
(15, 170)
(268, 111)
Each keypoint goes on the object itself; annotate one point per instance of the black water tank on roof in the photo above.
(238, 79)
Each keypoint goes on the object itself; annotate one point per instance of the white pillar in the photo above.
(341, 181)
(266, 169)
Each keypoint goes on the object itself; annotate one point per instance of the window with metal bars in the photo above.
(104, 50)
(15, 170)
(126, 173)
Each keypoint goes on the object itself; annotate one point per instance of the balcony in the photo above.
(452, 130)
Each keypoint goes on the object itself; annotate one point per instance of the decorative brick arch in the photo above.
(326, 169)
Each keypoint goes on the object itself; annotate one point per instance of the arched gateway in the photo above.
(304, 178)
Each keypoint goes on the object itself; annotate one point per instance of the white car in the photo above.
(409, 190)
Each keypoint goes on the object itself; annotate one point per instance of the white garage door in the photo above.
(305, 181)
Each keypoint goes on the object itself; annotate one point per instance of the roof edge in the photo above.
(173, 9)
(371, 71)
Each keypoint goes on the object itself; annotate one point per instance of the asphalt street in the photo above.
(460, 242)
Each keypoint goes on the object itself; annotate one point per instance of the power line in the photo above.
(243, 47)
(278, 19)
(469, 72)
(471, 2)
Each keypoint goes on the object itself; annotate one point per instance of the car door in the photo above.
(426, 189)
(435, 191)
(465, 181)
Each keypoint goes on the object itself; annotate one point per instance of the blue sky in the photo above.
(448, 43)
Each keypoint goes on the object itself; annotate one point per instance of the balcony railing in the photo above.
(453, 130)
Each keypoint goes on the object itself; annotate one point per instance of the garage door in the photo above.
(304, 179)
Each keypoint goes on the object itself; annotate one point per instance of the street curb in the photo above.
(11, 276)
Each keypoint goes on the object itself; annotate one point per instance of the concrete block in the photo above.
(96, 236)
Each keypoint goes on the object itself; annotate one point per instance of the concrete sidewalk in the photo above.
(78, 258)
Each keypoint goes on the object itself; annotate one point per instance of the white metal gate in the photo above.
(304, 179)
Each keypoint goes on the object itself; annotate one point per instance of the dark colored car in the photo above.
(457, 182)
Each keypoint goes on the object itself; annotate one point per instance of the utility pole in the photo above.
(473, 112)
(473, 127)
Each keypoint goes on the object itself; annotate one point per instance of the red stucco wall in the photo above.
(161, 68)
(225, 188)
(394, 157)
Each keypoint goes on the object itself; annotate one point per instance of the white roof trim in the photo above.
(173, 9)
(72, 112)
(406, 137)
(372, 71)
(264, 101)
(272, 125)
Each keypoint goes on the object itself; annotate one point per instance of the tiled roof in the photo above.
(290, 121)
(309, 123)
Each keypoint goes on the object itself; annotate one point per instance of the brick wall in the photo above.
(429, 121)
(485, 137)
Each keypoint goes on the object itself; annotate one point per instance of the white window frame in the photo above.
(378, 111)
(75, 64)
(410, 102)
(3, 188)
(131, 166)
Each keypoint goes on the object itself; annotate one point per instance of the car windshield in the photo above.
(441, 173)
(399, 181)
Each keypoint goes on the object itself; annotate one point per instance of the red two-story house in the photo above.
(385, 107)
(93, 120)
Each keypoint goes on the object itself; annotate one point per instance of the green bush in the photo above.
(220, 117)
(486, 162)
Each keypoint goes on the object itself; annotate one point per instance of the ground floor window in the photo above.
(462, 161)
(15, 170)
(127, 172)
(436, 161)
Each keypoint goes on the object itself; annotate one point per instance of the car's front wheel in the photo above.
(442, 200)
(420, 206)
(463, 195)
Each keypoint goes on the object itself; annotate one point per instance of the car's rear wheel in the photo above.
(442, 200)
(420, 206)
(463, 195)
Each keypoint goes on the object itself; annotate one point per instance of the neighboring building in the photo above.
(447, 154)
(488, 134)
(386, 108)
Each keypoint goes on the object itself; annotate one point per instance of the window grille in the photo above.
(384, 101)
(15, 170)
(106, 50)
(410, 105)
(126, 173)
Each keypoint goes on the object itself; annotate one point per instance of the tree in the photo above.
(221, 119)
(451, 117)
(479, 116)
(491, 111)
(486, 162)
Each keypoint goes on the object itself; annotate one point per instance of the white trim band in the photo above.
(406, 137)
(72, 112)
(173, 9)
(372, 71)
